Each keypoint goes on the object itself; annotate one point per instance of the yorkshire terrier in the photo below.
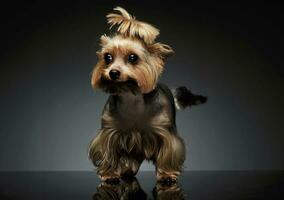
(138, 119)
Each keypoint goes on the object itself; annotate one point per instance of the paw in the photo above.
(112, 180)
(167, 186)
(128, 175)
(167, 180)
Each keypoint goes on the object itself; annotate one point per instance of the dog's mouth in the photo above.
(116, 87)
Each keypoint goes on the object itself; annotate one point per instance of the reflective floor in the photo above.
(191, 185)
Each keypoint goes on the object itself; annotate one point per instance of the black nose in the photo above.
(114, 74)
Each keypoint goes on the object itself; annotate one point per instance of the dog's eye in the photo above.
(132, 58)
(108, 58)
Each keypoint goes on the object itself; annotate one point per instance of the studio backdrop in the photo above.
(49, 112)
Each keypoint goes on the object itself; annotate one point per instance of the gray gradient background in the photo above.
(49, 112)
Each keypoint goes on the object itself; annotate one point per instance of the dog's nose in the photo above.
(114, 74)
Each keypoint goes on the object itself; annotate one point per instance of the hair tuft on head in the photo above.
(130, 27)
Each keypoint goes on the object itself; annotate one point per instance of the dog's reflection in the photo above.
(164, 191)
(126, 189)
(130, 189)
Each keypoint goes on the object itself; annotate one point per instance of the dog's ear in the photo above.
(96, 75)
(161, 50)
(104, 40)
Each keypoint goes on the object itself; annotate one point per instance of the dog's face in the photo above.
(127, 63)
(130, 60)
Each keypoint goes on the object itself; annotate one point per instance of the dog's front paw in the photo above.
(110, 179)
(167, 180)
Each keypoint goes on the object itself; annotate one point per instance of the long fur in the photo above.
(116, 147)
(138, 120)
(130, 27)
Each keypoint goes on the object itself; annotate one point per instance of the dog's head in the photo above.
(131, 59)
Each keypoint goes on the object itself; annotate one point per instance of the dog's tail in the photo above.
(185, 98)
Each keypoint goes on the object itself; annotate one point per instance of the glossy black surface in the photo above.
(191, 185)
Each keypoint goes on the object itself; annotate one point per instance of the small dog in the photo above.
(138, 119)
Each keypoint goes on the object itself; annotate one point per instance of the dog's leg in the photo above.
(127, 168)
(111, 177)
(109, 173)
(131, 154)
(170, 158)
(103, 154)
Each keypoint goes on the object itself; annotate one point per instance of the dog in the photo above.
(138, 119)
